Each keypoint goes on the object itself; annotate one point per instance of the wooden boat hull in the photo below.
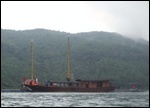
(37, 88)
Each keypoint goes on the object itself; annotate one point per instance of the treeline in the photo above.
(94, 55)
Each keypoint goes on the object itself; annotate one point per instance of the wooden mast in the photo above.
(68, 73)
(32, 60)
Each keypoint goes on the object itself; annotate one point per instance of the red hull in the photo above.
(38, 88)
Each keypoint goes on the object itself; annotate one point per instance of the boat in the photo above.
(70, 85)
(133, 87)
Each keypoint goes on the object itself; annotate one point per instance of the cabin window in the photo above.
(75, 85)
(66, 84)
(87, 84)
(70, 84)
(98, 84)
(78, 85)
(58, 84)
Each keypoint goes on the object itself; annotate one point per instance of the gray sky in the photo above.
(129, 18)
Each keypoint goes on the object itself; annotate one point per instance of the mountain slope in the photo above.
(94, 55)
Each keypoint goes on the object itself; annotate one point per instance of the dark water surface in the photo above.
(113, 99)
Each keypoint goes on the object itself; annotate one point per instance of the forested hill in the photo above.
(94, 55)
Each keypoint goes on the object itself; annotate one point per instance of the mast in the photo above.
(68, 73)
(32, 60)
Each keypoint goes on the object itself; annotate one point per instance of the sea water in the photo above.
(112, 99)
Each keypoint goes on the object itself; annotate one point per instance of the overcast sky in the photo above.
(129, 18)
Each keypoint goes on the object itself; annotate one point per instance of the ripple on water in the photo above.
(124, 99)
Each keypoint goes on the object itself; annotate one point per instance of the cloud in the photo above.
(126, 17)
(130, 18)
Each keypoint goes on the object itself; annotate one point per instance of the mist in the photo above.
(129, 18)
(125, 17)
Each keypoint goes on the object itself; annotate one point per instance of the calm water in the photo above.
(114, 99)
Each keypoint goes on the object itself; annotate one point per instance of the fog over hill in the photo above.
(94, 55)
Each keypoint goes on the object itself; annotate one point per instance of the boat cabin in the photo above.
(84, 84)
(95, 83)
